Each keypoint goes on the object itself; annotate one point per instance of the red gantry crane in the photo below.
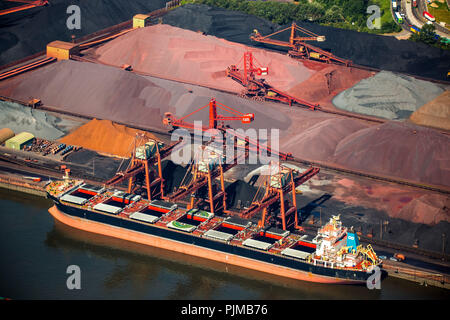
(258, 88)
(172, 123)
(299, 48)
(146, 159)
(214, 118)
(274, 202)
(199, 181)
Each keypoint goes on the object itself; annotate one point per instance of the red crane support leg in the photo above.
(212, 114)
(161, 184)
(262, 222)
(130, 183)
(282, 209)
(147, 181)
(294, 200)
(291, 39)
(222, 185)
(248, 66)
(210, 194)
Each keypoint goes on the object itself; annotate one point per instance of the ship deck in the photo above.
(232, 230)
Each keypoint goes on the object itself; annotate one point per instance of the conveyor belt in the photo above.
(27, 67)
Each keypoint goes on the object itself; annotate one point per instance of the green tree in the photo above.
(334, 14)
(427, 35)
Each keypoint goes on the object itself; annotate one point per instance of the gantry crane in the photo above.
(146, 158)
(199, 181)
(258, 88)
(27, 5)
(274, 202)
(172, 123)
(299, 48)
(214, 118)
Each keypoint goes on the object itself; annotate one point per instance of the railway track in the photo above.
(27, 67)
(144, 73)
(327, 166)
(357, 66)
(115, 31)
(374, 176)
(88, 45)
(172, 79)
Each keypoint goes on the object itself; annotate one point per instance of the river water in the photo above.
(36, 252)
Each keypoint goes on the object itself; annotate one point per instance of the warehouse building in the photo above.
(20, 141)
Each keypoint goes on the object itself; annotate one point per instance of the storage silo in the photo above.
(5, 134)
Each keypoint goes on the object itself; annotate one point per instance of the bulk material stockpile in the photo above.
(111, 93)
(95, 91)
(179, 54)
(392, 149)
(398, 149)
(378, 51)
(319, 141)
(387, 95)
(28, 32)
(39, 123)
(435, 113)
(105, 136)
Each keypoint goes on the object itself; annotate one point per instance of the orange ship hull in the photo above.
(159, 242)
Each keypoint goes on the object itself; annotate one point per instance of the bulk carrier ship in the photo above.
(333, 255)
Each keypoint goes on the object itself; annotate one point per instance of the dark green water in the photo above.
(36, 252)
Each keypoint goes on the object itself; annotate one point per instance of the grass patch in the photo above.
(441, 13)
(385, 6)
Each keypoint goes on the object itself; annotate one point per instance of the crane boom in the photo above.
(299, 48)
(27, 5)
(258, 87)
(214, 117)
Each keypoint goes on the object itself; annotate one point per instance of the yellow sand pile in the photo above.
(105, 136)
(435, 113)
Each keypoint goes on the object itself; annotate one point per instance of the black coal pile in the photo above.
(27, 32)
(383, 52)
(240, 194)
(230, 25)
(92, 165)
(173, 175)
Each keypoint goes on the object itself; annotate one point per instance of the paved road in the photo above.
(414, 16)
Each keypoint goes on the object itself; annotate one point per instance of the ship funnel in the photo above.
(352, 241)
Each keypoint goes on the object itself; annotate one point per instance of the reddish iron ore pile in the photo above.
(179, 54)
(319, 140)
(400, 149)
(396, 149)
(327, 81)
(435, 113)
(93, 90)
(410, 204)
(104, 92)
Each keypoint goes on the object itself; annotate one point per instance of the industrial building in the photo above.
(19, 141)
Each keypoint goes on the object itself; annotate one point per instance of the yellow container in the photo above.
(314, 55)
(140, 20)
(61, 50)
